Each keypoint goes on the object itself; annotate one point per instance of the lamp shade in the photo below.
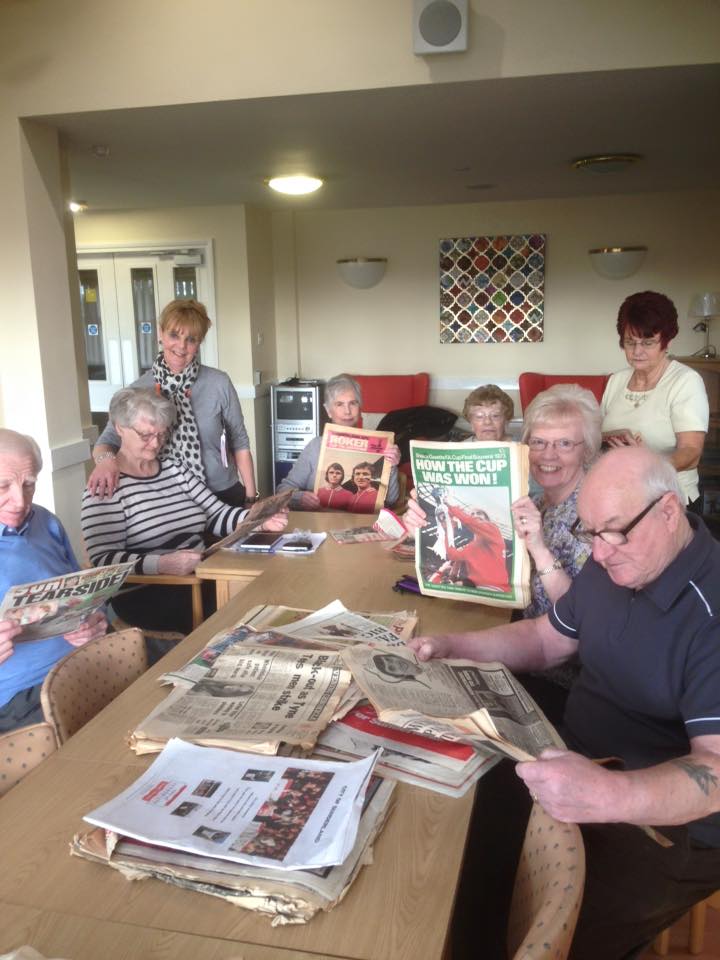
(362, 272)
(704, 306)
(616, 263)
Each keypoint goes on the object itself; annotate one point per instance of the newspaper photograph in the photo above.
(277, 812)
(457, 699)
(352, 472)
(336, 622)
(59, 605)
(251, 698)
(261, 510)
(468, 549)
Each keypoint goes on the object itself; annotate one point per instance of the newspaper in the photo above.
(287, 814)
(352, 472)
(59, 605)
(452, 699)
(359, 535)
(258, 512)
(289, 896)
(251, 698)
(401, 623)
(336, 622)
(468, 549)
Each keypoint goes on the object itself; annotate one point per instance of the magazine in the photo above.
(468, 550)
(270, 811)
(258, 512)
(352, 472)
(481, 703)
(59, 605)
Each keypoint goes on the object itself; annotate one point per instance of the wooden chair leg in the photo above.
(697, 928)
(661, 943)
(197, 605)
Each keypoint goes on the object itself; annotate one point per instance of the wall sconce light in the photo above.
(362, 272)
(704, 308)
(617, 263)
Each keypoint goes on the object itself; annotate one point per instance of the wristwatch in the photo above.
(556, 565)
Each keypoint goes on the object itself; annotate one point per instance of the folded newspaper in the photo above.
(252, 697)
(400, 623)
(288, 896)
(59, 605)
(352, 472)
(468, 550)
(479, 703)
(269, 811)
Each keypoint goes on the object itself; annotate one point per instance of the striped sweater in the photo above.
(149, 516)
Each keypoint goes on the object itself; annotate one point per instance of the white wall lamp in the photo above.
(704, 308)
(617, 263)
(362, 272)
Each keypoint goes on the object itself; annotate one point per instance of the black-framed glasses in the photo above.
(616, 538)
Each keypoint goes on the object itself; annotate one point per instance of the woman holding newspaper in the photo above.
(158, 514)
(343, 401)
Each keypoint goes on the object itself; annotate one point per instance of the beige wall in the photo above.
(394, 327)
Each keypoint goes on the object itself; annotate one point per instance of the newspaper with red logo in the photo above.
(352, 472)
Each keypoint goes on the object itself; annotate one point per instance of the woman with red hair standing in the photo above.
(656, 401)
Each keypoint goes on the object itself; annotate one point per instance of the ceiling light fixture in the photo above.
(607, 162)
(617, 263)
(77, 206)
(295, 186)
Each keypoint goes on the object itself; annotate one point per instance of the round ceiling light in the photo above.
(607, 162)
(295, 186)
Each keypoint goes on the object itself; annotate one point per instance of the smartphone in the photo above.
(297, 546)
(260, 541)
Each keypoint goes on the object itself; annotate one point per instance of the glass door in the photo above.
(99, 319)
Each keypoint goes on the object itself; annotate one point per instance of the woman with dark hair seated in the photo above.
(157, 516)
(656, 401)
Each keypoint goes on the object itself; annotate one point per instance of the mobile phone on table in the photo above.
(262, 541)
(301, 545)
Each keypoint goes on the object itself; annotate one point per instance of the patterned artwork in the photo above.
(492, 289)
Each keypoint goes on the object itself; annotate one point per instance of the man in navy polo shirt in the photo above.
(642, 617)
(33, 546)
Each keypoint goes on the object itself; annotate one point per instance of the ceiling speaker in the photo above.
(439, 26)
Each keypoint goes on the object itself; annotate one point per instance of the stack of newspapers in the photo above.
(279, 836)
(263, 690)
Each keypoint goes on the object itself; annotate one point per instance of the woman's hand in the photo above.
(528, 524)
(8, 632)
(103, 480)
(95, 626)
(392, 454)
(414, 517)
(626, 439)
(179, 563)
(278, 521)
(309, 501)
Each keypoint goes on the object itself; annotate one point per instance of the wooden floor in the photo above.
(679, 939)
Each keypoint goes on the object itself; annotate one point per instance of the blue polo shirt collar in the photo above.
(675, 578)
(6, 531)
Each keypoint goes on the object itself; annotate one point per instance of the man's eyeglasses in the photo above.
(563, 445)
(647, 343)
(160, 436)
(486, 417)
(616, 538)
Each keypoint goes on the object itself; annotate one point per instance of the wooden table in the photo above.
(399, 907)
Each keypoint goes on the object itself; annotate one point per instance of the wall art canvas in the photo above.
(492, 289)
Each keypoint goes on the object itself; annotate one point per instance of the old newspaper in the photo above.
(251, 698)
(468, 549)
(59, 605)
(454, 699)
(352, 472)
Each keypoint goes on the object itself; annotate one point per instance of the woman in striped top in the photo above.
(157, 516)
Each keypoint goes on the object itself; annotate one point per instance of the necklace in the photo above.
(638, 397)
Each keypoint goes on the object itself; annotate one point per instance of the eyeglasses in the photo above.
(160, 436)
(616, 538)
(563, 445)
(646, 343)
(487, 417)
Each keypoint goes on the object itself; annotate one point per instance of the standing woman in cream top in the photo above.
(657, 401)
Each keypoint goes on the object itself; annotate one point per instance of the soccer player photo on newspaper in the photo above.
(352, 472)
(468, 549)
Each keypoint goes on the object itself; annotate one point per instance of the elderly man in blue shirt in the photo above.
(33, 546)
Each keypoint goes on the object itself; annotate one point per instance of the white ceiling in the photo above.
(508, 139)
